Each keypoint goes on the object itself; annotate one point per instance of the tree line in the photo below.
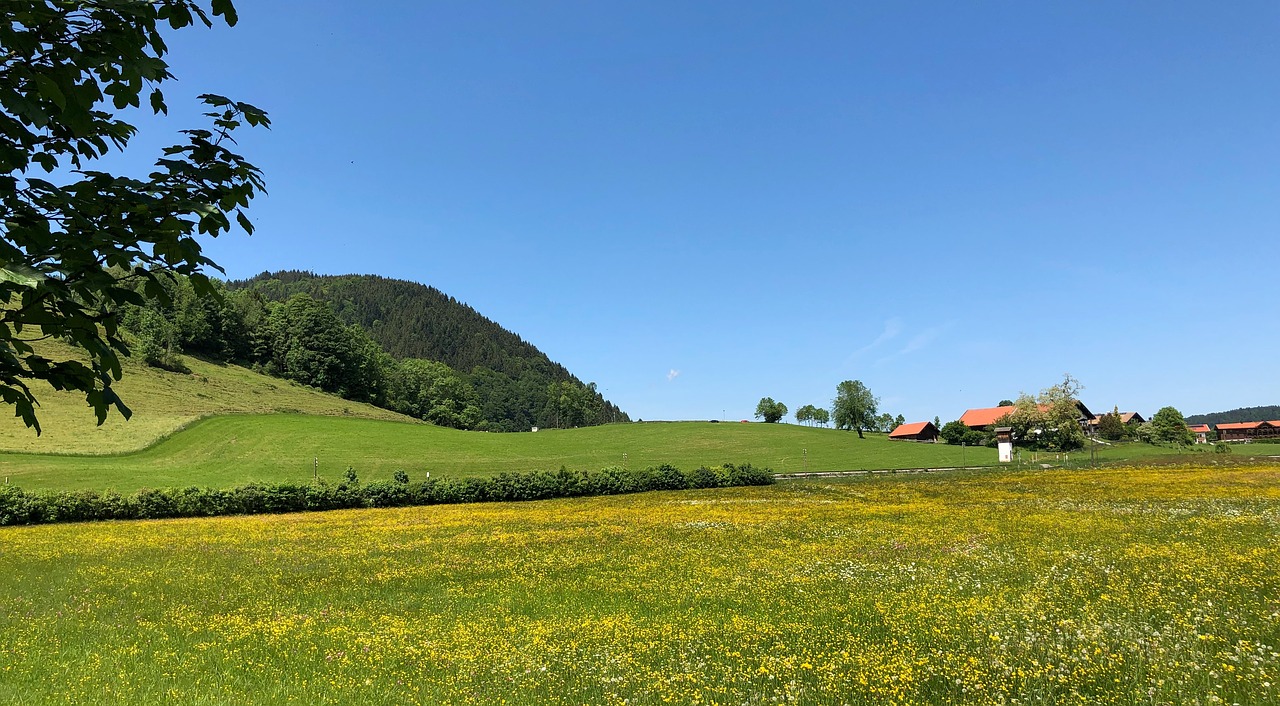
(303, 339)
(854, 408)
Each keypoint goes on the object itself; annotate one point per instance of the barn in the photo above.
(915, 431)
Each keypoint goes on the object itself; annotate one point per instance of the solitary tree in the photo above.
(854, 407)
(770, 411)
(70, 243)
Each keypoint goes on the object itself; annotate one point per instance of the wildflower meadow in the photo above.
(1056, 587)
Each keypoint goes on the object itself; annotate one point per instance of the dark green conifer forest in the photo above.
(396, 344)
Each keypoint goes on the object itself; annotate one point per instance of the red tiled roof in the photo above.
(1242, 425)
(912, 429)
(984, 417)
(1199, 428)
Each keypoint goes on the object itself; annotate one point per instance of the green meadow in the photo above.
(228, 450)
(234, 449)
(224, 425)
(162, 403)
(1112, 587)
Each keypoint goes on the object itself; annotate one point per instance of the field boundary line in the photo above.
(875, 471)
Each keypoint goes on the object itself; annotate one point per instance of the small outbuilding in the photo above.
(915, 431)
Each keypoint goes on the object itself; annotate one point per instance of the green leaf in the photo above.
(21, 275)
(227, 11)
(50, 91)
(157, 102)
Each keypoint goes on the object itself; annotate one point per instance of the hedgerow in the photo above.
(19, 507)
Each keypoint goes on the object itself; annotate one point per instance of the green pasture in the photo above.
(223, 425)
(234, 449)
(163, 402)
(1108, 587)
(231, 450)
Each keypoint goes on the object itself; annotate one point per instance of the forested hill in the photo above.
(514, 384)
(1243, 414)
(412, 320)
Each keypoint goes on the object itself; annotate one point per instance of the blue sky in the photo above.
(696, 205)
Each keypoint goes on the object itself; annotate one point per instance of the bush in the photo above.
(18, 507)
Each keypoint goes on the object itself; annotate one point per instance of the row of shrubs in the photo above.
(18, 507)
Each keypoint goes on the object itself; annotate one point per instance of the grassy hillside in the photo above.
(1080, 587)
(163, 402)
(228, 450)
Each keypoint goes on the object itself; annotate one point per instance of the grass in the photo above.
(229, 450)
(235, 449)
(208, 428)
(1063, 587)
(163, 403)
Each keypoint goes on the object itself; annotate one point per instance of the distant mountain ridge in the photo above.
(1242, 414)
(513, 379)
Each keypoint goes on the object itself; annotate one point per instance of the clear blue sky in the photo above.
(696, 205)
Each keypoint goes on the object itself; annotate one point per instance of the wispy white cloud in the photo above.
(673, 374)
(892, 328)
(920, 341)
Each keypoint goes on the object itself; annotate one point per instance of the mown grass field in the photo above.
(236, 449)
(1063, 587)
(163, 402)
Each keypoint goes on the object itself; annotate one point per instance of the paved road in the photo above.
(875, 471)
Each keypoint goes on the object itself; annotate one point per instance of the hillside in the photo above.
(511, 378)
(1242, 414)
(230, 450)
(163, 402)
(411, 320)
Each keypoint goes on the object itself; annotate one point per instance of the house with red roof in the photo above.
(1201, 431)
(987, 416)
(915, 431)
(1248, 431)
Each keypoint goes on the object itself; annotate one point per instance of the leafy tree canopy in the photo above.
(1170, 427)
(805, 415)
(771, 412)
(72, 237)
(1110, 426)
(854, 407)
(1050, 420)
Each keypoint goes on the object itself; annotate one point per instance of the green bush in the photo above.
(18, 507)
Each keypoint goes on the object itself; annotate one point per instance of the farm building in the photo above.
(1126, 418)
(985, 417)
(915, 431)
(1201, 431)
(1248, 431)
